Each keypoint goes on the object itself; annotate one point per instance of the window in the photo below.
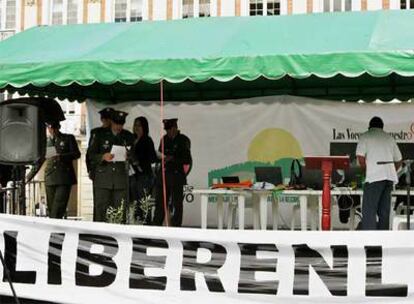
(72, 14)
(188, 8)
(120, 10)
(337, 5)
(273, 7)
(57, 12)
(64, 11)
(348, 5)
(326, 5)
(10, 14)
(256, 7)
(204, 8)
(407, 4)
(136, 10)
(128, 10)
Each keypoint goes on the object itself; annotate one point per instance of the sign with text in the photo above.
(232, 137)
(82, 262)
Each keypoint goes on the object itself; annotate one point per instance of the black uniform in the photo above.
(141, 183)
(180, 149)
(60, 174)
(5, 176)
(88, 160)
(110, 178)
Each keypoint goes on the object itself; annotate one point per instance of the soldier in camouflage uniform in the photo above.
(110, 180)
(59, 172)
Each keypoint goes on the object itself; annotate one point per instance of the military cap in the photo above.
(119, 117)
(106, 112)
(169, 123)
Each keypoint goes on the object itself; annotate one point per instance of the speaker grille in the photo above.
(22, 133)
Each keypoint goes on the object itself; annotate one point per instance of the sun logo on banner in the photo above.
(273, 144)
(269, 147)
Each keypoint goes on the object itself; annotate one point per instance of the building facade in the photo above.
(18, 15)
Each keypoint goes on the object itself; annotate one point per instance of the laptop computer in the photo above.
(272, 175)
(313, 178)
(230, 179)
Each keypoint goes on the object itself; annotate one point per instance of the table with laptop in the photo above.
(348, 184)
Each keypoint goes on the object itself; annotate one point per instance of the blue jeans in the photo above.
(376, 201)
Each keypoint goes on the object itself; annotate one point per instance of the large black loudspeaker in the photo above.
(22, 133)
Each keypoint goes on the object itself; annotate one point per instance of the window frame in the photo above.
(332, 6)
(209, 6)
(266, 7)
(194, 10)
(3, 16)
(409, 4)
(128, 11)
(65, 4)
(265, 4)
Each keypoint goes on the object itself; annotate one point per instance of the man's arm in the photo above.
(398, 165)
(362, 161)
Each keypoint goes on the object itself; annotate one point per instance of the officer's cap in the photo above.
(119, 117)
(106, 112)
(169, 123)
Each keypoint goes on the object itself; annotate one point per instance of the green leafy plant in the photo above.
(115, 215)
(146, 204)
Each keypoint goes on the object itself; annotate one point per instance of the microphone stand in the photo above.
(125, 215)
(407, 163)
(408, 182)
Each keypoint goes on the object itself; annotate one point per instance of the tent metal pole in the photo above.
(164, 188)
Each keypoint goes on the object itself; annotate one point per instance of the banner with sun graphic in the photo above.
(231, 138)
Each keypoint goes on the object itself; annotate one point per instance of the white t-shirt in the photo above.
(376, 146)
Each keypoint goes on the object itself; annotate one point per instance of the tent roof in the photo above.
(340, 55)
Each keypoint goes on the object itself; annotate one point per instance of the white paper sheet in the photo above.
(119, 153)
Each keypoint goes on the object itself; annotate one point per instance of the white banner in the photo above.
(82, 262)
(232, 137)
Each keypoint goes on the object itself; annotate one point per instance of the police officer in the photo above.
(110, 180)
(59, 172)
(106, 124)
(178, 161)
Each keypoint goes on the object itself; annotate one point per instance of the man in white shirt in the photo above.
(375, 146)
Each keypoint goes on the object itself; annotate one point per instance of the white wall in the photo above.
(374, 5)
(160, 10)
(299, 7)
(94, 12)
(228, 8)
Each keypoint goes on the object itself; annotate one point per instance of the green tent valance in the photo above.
(339, 56)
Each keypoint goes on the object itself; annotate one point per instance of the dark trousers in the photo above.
(376, 201)
(104, 198)
(57, 200)
(175, 194)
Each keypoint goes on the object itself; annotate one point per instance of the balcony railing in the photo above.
(4, 34)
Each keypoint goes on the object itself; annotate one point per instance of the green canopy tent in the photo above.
(352, 56)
